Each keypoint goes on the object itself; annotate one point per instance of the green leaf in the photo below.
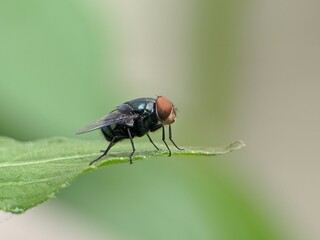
(32, 172)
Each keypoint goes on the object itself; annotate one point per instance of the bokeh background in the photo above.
(235, 69)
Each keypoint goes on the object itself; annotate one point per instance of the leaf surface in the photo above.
(32, 172)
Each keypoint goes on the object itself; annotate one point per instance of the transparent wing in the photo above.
(112, 118)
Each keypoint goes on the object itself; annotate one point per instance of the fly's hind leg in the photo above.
(111, 144)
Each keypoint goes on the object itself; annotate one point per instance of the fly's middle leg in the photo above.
(133, 148)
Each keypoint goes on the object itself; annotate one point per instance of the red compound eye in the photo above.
(165, 110)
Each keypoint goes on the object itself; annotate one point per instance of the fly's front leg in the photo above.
(164, 140)
(156, 127)
(152, 142)
(153, 129)
(170, 137)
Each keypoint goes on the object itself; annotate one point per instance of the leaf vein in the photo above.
(44, 161)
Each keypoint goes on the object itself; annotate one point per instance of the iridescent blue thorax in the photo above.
(144, 106)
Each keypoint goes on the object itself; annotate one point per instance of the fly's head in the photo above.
(166, 111)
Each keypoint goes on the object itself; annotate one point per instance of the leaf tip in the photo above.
(237, 145)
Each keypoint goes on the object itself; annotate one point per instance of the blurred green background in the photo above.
(234, 69)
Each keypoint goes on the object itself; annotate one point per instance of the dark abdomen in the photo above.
(113, 130)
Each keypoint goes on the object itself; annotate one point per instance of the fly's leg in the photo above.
(164, 140)
(113, 142)
(133, 148)
(152, 142)
(156, 127)
(170, 137)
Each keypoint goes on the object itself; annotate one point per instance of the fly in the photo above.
(136, 118)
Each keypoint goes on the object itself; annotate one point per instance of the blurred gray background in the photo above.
(236, 70)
